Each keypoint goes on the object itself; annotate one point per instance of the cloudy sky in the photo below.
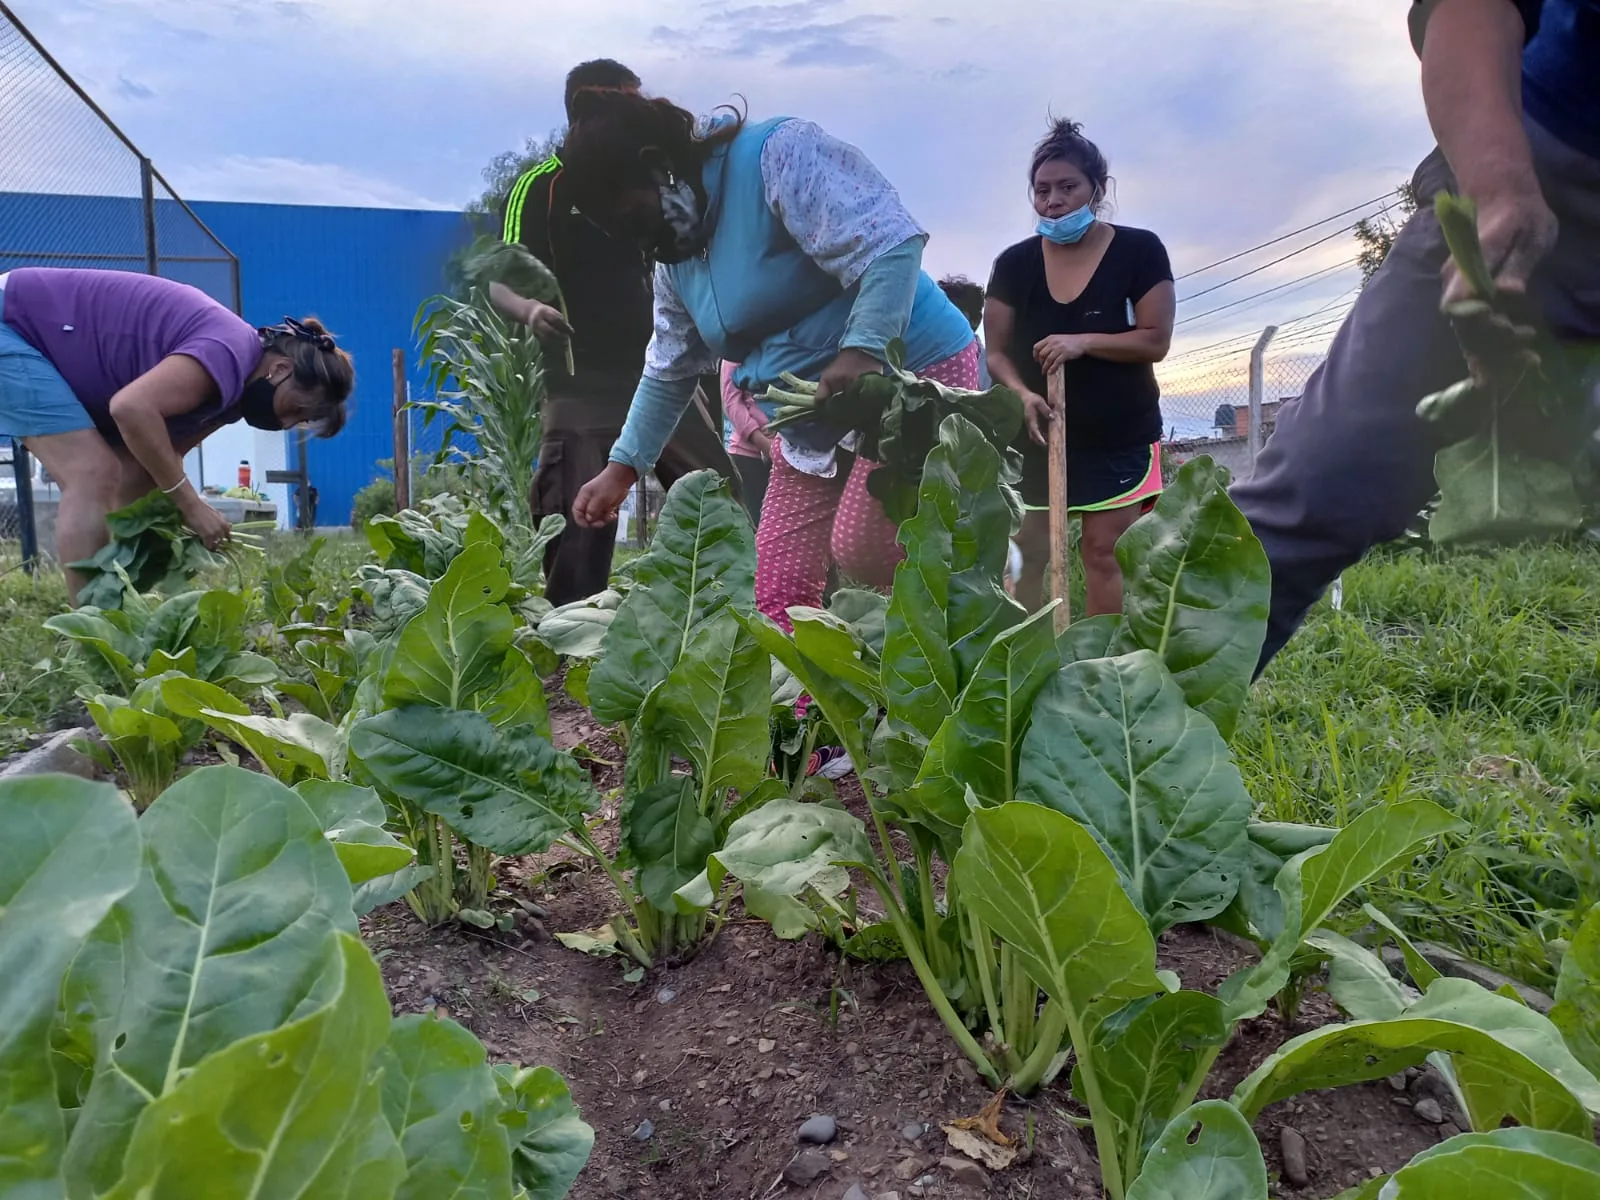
(1227, 122)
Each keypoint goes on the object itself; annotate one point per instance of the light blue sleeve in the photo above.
(652, 418)
(883, 307)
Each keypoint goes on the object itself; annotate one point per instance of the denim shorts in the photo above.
(34, 400)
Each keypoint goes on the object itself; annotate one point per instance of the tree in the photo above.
(501, 175)
(1375, 235)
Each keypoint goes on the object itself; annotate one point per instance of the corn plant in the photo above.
(488, 381)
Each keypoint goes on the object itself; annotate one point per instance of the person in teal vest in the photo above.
(780, 248)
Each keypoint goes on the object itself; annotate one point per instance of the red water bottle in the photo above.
(244, 474)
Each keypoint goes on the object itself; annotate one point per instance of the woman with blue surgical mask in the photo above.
(1098, 299)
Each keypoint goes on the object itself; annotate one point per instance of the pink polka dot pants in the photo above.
(808, 524)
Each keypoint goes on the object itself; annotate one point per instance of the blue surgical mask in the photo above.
(1064, 231)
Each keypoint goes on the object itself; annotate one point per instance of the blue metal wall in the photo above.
(363, 272)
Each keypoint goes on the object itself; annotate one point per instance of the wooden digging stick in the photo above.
(1060, 563)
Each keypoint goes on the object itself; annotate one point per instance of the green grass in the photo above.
(1471, 680)
(33, 686)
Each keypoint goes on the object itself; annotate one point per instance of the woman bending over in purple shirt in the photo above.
(112, 377)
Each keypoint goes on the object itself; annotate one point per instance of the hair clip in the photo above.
(298, 331)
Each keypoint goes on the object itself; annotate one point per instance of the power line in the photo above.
(1239, 345)
(1312, 277)
(1283, 238)
(1217, 287)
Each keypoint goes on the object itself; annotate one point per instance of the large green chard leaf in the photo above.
(443, 1102)
(1493, 490)
(227, 929)
(1043, 884)
(508, 790)
(549, 1140)
(983, 738)
(850, 711)
(578, 630)
(667, 837)
(455, 649)
(1358, 980)
(353, 819)
(1115, 746)
(291, 748)
(1311, 885)
(1515, 1025)
(105, 637)
(1509, 1061)
(1504, 1164)
(949, 602)
(1195, 591)
(1208, 1152)
(866, 613)
(294, 1111)
(829, 642)
(783, 847)
(713, 710)
(1577, 1009)
(1091, 637)
(1272, 844)
(701, 561)
(70, 851)
(1143, 1064)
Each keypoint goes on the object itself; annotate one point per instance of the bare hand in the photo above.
(209, 525)
(545, 321)
(601, 498)
(848, 366)
(1059, 348)
(762, 441)
(1037, 415)
(1517, 229)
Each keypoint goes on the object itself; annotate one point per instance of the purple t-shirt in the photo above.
(104, 329)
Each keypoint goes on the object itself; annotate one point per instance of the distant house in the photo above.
(1229, 443)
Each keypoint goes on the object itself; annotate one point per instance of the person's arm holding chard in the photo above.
(1472, 87)
(174, 386)
(801, 165)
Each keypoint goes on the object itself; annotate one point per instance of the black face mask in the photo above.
(257, 405)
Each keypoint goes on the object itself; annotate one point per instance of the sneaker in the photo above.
(830, 762)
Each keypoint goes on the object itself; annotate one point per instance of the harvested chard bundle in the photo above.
(1517, 474)
(898, 416)
(153, 550)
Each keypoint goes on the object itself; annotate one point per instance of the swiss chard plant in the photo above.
(200, 634)
(1081, 793)
(146, 739)
(678, 671)
(189, 1013)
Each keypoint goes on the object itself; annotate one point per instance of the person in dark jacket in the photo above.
(606, 286)
(1517, 117)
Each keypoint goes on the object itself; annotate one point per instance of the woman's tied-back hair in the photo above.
(617, 142)
(1065, 143)
(319, 366)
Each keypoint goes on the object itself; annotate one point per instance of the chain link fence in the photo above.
(75, 192)
(1211, 398)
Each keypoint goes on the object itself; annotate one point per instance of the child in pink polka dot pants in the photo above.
(809, 523)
